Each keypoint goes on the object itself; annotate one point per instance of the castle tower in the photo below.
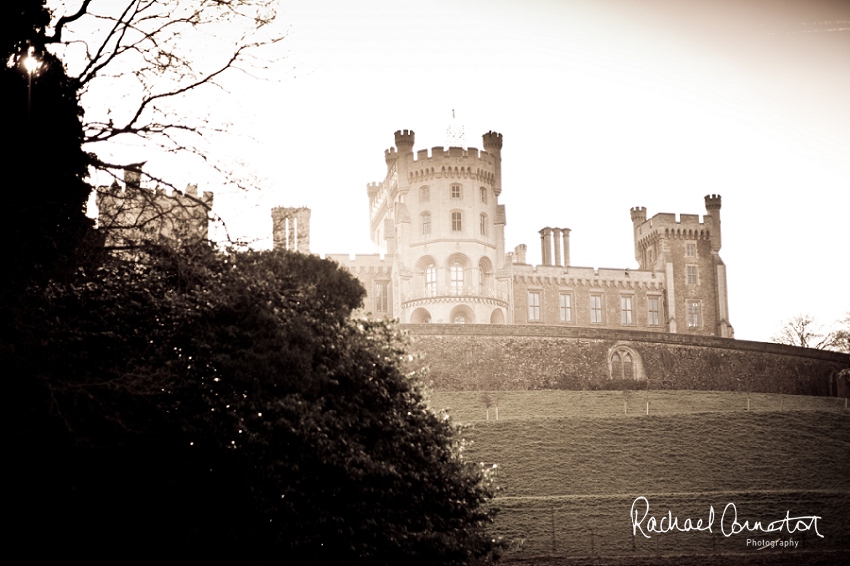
(438, 214)
(291, 229)
(686, 251)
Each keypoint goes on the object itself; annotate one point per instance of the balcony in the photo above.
(452, 294)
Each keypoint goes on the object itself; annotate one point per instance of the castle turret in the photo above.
(493, 145)
(638, 218)
(712, 208)
(404, 144)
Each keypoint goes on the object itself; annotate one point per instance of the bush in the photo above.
(228, 404)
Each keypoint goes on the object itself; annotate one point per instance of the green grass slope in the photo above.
(570, 469)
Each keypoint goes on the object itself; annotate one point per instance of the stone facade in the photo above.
(132, 215)
(482, 318)
(437, 222)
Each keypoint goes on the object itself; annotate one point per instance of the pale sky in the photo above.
(603, 105)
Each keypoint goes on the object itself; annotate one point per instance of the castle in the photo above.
(440, 232)
(482, 318)
(131, 215)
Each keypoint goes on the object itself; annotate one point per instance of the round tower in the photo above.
(493, 146)
(452, 241)
(404, 141)
(712, 208)
(638, 218)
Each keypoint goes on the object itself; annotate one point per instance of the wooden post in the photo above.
(553, 529)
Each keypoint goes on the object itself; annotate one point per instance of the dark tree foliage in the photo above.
(229, 406)
(44, 167)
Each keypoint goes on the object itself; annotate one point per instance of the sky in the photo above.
(603, 106)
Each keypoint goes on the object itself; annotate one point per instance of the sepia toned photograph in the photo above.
(551, 282)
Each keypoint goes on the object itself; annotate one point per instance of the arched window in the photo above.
(426, 223)
(624, 363)
(456, 278)
(460, 319)
(484, 195)
(424, 194)
(628, 367)
(430, 280)
(457, 221)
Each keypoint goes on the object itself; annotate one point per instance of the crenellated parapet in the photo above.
(132, 214)
(590, 277)
(668, 226)
(453, 163)
(364, 263)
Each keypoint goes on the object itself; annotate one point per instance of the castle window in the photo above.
(691, 275)
(693, 314)
(652, 304)
(626, 311)
(649, 255)
(596, 309)
(381, 296)
(457, 221)
(456, 273)
(483, 225)
(533, 306)
(566, 307)
(426, 223)
(460, 318)
(424, 194)
(430, 280)
(625, 363)
(484, 195)
(690, 249)
(456, 191)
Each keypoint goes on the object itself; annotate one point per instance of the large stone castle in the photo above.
(440, 233)
(482, 318)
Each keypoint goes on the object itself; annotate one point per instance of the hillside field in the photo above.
(571, 465)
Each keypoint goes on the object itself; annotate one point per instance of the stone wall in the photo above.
(517, 357)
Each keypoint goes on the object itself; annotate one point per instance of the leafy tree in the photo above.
(228, 405)
(43, 163)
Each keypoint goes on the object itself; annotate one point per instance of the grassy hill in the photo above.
(572, 463)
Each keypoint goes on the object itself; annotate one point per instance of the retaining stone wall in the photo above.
(518, 357)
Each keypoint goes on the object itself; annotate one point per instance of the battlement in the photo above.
(492, 141)
(638, 214)
(590, 276)
(133, 214)
(451, 153)
(363, 262)
(390, 156)
(712, 202)
(404, 140)
(372, 189)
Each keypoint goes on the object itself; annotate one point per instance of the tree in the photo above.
(841, 335)
(43, 162)
(228, 405)
(144, 67)
(804, 331)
